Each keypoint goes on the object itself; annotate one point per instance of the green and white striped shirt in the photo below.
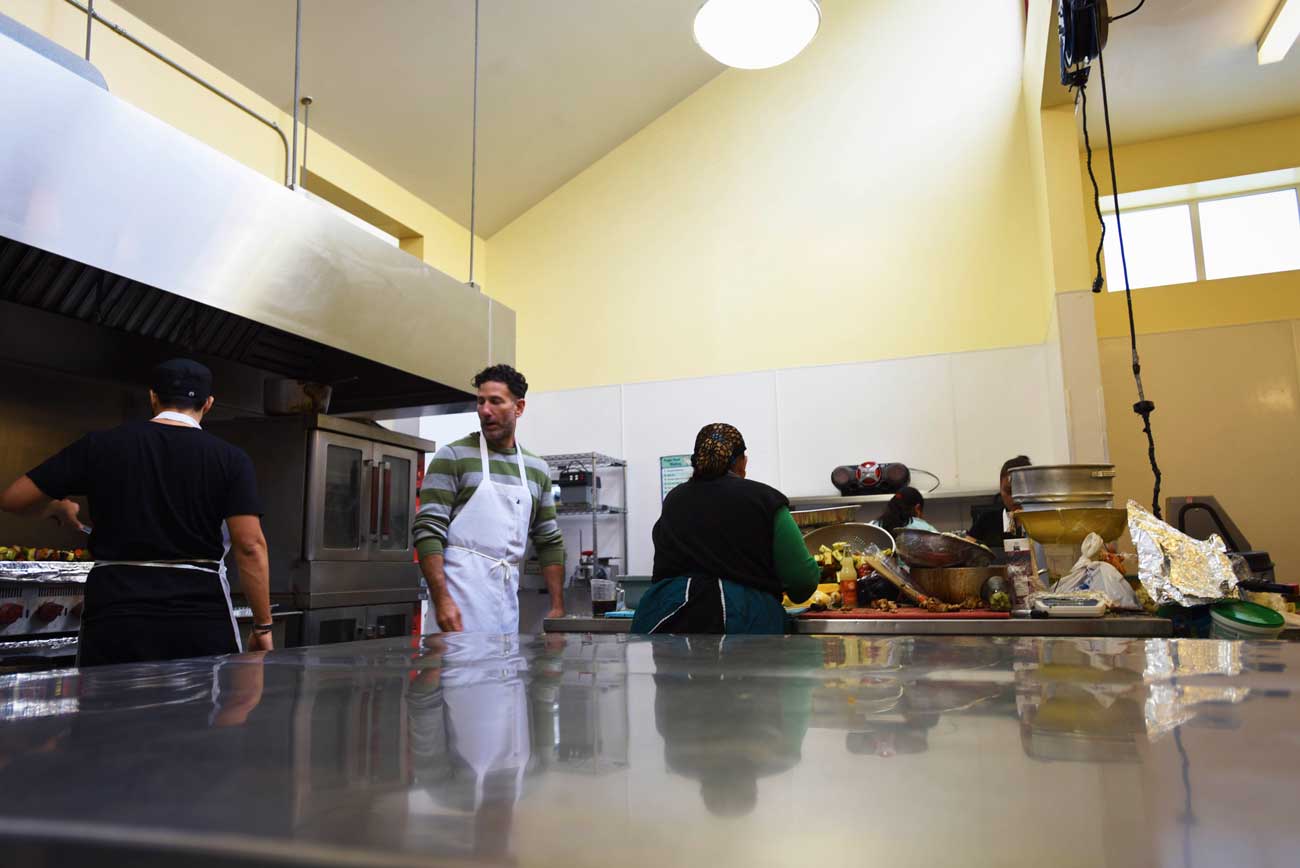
(454, 475)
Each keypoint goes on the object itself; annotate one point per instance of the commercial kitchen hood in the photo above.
(112, 217)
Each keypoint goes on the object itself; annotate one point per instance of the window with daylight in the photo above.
(1253, 234)
(1208, 230)
(1157, 245)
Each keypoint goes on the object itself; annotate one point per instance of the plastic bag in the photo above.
(1092, 573)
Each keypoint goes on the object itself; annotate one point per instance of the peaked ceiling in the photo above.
(561, 83)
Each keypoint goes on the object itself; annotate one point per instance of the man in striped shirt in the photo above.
(483, 497)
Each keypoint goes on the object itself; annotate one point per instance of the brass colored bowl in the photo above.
(1071, 526)
(956, 584)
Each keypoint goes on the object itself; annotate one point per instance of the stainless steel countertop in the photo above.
(586, 750)
(1121, 626)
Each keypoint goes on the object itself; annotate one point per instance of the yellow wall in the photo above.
(1227, 422)
(1053, 163)
(152, 86)
(868, 200)
(1221, 358)
(1204, 156)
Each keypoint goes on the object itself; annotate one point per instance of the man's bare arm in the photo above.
(445, 610)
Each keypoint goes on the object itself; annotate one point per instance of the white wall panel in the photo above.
(898, 410)
(576, 420)
(1001, 403)
(452, 426)
(662, 419)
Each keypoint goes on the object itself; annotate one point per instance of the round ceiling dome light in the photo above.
(756, 34)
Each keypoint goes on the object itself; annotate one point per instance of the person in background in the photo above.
(995, 523)
(168, 501)
(906, 509)
(482, 498)
(726, 548)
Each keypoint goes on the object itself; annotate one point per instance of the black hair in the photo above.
(1012, 463)
(901, 508)
(512, 379)
(181, 402)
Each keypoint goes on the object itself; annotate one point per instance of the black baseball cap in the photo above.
(181, 378)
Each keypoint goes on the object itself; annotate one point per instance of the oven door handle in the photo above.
(386, 500)
(374, 498)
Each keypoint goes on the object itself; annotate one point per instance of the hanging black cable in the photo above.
(1097, 281)
(1143, 407)
(1141, 3)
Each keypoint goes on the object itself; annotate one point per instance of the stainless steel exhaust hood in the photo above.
(111, 216)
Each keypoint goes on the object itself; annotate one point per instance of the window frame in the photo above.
(1198, 249)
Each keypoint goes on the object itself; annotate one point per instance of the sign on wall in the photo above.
(673, 471)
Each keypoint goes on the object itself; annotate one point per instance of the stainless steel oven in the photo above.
(339, 496)
(352, 623)
(360, 497)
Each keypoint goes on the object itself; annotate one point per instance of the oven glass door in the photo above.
(342, 498)
(396, 468)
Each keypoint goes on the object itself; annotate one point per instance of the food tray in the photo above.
(808, 519)
(904, 615)
(45, 571)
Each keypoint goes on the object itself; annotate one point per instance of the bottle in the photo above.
(848, 578)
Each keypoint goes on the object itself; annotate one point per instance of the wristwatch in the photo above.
(263, 628)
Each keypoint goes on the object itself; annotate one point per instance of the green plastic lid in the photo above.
(1249, 614)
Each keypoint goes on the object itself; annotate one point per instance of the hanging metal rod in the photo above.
(90, 20)
(305, 102)
(91, 14)
(297, 73)
(473, 154)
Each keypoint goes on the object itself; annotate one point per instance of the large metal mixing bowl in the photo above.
(921, 548)
(1073, 525)
(1063, 484)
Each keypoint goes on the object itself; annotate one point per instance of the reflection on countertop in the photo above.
(569, 749)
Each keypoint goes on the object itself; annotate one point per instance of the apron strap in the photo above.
(193, 564)
(519, 460)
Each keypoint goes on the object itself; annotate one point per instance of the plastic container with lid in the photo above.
(1238, 619)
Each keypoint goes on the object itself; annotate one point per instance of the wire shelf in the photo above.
(584, 458)
(561, 509)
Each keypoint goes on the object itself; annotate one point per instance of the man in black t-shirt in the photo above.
(167, 500)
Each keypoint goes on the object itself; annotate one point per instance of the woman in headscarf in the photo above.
(726, 549)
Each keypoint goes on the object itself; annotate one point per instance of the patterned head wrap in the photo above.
(717, 447)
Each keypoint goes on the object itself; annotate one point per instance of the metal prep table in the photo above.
(565, 749)
(1118, 626)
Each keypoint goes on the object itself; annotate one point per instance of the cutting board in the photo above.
(904, 615)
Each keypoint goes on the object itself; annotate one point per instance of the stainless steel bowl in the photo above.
(921, 548)
(1063, 485)
(858, 535)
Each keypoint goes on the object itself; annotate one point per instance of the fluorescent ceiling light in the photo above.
(1281, 33)
(756, 34)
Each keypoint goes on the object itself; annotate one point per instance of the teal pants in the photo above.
(697, 605)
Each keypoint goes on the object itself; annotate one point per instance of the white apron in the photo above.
(485, 545)
(487, 710)
(200, 565)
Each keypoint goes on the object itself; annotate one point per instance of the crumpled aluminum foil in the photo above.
(1174, 567)
(45, 571)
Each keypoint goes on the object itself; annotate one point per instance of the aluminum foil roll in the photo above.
(1174, 567)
